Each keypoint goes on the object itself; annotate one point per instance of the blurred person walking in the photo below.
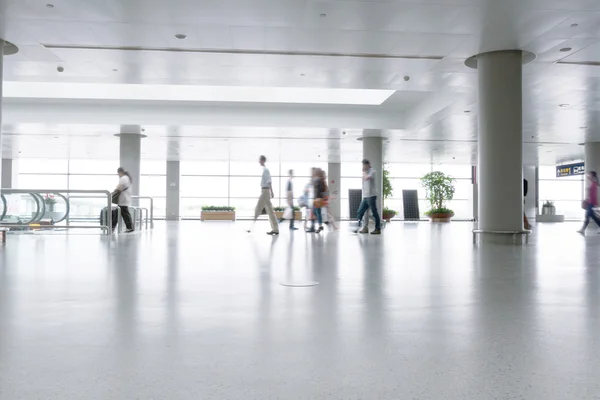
(264, 201)
(591, 201)
(369, 201)
(320, 200)
(124, 191)
(289, 211)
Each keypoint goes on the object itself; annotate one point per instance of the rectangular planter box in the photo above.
(550, 218)
(217, 216)
(297, 215)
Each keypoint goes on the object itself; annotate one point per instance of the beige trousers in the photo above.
(264, 201)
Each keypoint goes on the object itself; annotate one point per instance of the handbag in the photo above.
(115, 196)
(585, 204)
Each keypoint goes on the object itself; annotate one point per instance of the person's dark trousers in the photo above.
(366, 203)
(590, 214)
(126, 218)
(293, 216)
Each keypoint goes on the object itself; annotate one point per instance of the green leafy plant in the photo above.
(388, 190)
(217, 208)
(439, 189)
(389, 211)
(280, 209)
(548, 203)
(49, 199)
(442, 210)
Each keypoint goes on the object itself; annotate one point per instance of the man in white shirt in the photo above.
(264, 201)
(369, 194)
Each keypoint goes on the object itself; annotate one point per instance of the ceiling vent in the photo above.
(246, 52)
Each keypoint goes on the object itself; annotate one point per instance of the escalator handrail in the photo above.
(4, 207)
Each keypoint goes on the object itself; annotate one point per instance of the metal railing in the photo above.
(103, 194)
(151, 207)
(137, 213)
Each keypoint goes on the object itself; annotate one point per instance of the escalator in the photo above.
(33, 210)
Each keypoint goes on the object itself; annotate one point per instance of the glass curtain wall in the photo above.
(78, 174)
(566, 193)
(236, 184)
(408, 177)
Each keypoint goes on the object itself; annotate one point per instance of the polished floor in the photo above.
(197, 310)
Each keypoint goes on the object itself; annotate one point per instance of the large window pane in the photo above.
(107, 167)
(249, 187)
(42, 166)
(252, 168)
(204, 168)
(301, 169)
(204, 186)
(93, 182)
(153, 167)
(409, 170)
(153, 185)
(43, 182)
(191, 207)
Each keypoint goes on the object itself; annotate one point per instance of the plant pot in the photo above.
(217, 216)
(297, 215)
(387, 217)
(548, 210)
(441, 217)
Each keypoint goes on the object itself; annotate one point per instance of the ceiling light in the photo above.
(583, 127)
(115, 70)
(120, 91)
(50, 5)
(302, 74)
(574, 25)
(467, 111)
(181, 36)
(566, 49)
(323, 15)
(563, 105)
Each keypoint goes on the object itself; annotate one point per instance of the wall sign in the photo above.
(570, 169)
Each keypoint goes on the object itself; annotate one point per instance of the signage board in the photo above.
(570, 169)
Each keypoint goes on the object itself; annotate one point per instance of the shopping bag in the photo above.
(287, 213)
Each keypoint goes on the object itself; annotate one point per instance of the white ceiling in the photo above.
(286, 43)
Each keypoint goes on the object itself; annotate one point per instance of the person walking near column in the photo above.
(290, 201)
(369, 201)
(591, 201)
(264, 201)
(320, 200)
(124, 188)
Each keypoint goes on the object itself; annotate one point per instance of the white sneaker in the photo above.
(365, 230)
(581, 232)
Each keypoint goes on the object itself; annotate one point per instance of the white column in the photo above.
(592, 156)
(1, 80)
(334, 173)
(173, 191)
(500, 141)
(530, 206)
(130, 154)
(8, 181)
(373, 151)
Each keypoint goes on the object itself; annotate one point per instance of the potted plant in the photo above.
(439, 189)
(50, 202)
(548, 208)
(217, 213)
(388, 214)
(280, 210)
(388, 191)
